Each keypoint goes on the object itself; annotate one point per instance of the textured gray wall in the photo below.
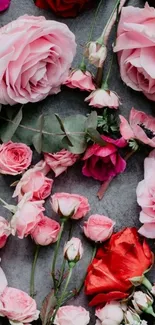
(119, 202)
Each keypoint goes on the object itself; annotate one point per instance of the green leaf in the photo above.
(47, 308)
(75, 132)
(60, 122)
(95, 136)
(7, 131)
(38, 137)
(92, 120)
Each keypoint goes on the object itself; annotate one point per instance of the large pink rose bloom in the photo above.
(5, 231)
(140, 127)
(72, 315)
(36, 59)
(18, 306)
(146, 197)
(46, 231)
(35, 182)
(70, 205)
(104, 163)
(14, 158)
(136, 46)
(98, 228)
(60, 161)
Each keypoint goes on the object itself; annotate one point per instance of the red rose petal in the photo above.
(101, 297)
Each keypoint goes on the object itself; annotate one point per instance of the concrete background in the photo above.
(119, 202)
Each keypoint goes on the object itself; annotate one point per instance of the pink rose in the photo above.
(37, 57)
(72, 315)
(14, 158)
(59, 161)
(98, 228)
(103, 98)
(27, 215)
(140, 127)
(80, 79)
(73, 250)
(35, 182)
(135, 46)
(5, 231)
(145, 197)
(46, 231)
(4, 4)
(18, 306)
(104, 163)
(110, 314)
(72, 206)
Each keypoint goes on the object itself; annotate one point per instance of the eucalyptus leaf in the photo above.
(37, 142)
(60, 122)
(96, 137)
(92, 120)
(8, 129)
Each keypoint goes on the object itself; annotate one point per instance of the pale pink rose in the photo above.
(59, 161)
(3, 281)
(96, 53)
(72, 206)
(27, 215)
(141, 301)
(73, 250)
(135, 46)
(110, 314)
(18, 306)
(36, 61)
(80, 79)
(5, 231)
(46, 231)
(140, 127)
(4, 4)
(35, 182)
(98, 227)
(72, 315)
(104, 163)
(14, 158)
(103, 98)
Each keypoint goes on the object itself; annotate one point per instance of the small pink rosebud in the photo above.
(142, 302)
(103, 98)
(73, 250)
(96, 53)
(98, 228)
(80, 79)
(110, 314)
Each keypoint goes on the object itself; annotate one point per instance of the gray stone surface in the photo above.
(119, 202)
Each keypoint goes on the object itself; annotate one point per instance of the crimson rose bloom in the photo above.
(64, 8)
(123, 258)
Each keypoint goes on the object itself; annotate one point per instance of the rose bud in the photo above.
(96, 53)
(103, 98)
(131, 317)
(80, 79)
(73, 250)
(110, 314)
(142, 302)
(98, 228)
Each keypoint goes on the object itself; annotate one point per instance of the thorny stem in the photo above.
(56, 253)
(33, 270)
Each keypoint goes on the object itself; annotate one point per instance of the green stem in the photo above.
(150, 311)
(33, 270)
(105, 83)
(61, 299)
(56, 253)
(147, 283)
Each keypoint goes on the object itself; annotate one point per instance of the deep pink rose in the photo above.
(81, 80)
(27, 215)
(4, 4)
(18, 306)
(135, 46)
(35, 182)
(14, 158)
(140, 127)
(59, 161)
(36, 60)
(72, 206)
(72, 315)
(46, 231)
(104, 163)
(5, 231)
(98, 227)
(73, 250)
(103, 98)
(146, 197)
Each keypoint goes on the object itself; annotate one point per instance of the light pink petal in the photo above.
(148, 230)
(125, 129)
(3, 281)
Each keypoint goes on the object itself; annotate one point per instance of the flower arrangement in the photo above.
(36, 61)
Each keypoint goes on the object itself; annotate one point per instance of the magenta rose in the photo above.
(72, 315)
(35, 182)
(70, 205)
(98, 228)
(135, 46)
(5, 231)
(46, 231)
(36, 61)
(104, 163)
(4, 4)
(60, 161)
(18, 306)
(14, 158)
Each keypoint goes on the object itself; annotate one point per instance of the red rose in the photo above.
(123, 258)
(64, 8)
